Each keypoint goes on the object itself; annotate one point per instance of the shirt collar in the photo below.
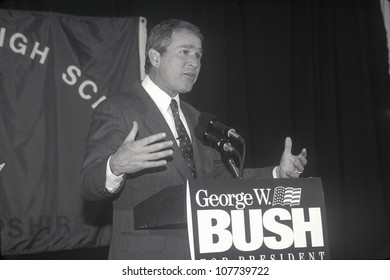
(160, 97)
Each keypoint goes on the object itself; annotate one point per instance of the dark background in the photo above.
(313, 70)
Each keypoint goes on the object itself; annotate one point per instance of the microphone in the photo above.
(210, 121)
(208, 137)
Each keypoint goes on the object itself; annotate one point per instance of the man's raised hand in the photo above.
(291, 166)
(135, 155)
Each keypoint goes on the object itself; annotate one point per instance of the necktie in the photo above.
(184, 139)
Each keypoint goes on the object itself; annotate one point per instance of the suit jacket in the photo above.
(111, 123)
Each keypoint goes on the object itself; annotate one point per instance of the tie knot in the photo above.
(173, 105)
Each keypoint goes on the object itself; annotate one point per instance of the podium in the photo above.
(163, 210)
(243, 218)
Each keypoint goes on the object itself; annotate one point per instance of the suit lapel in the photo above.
(199, 156)
(155, 123)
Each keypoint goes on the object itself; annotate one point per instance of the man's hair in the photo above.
(160, 36)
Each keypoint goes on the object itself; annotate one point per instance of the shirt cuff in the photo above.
(112, 181)
(274, 174)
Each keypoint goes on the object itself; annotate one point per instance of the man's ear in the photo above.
(154, 57)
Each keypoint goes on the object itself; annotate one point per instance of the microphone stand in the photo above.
(232, 165)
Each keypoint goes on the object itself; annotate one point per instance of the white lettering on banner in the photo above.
(286, 256)
(21, 47)
(2, 35)
(72, 72)
(215, 237)
(97, 102)
(207, 230)
(310, 255)
(18, 43)
(2, 166)
(262, 196)
(70, 77)
(314, 226)
(238, 230)
(82, 87)
(283, 232)
(36, 51)
(239, 200)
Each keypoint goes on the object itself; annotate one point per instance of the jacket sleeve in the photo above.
(107, 133)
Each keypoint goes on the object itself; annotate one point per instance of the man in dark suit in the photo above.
(143, 141)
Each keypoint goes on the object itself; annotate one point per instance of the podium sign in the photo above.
(281, 219)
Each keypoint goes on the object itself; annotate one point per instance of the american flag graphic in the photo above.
(287, 196)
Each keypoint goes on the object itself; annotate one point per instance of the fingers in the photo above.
(292, 165)
(299, 167)
(302, 160)
(152, 138)
(303, 153)
(158, 155)
(145, 143)
(132, 134)
(292, 174)
(287, 145)
(147, 140)
(153, 151)
(158, 146)
(153, 164)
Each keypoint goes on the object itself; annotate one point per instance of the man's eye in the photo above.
(184, 52)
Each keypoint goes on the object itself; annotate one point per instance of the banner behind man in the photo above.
(54, 70)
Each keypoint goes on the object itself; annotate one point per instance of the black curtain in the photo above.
(313, 70)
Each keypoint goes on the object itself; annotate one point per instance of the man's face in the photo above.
(179, 66)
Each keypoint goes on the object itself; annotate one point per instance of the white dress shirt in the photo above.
(163, 102)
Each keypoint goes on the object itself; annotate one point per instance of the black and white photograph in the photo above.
(226, 130)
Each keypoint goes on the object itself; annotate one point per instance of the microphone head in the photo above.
(210, 138)
(206, 119)
(200, 134)
(207, 137)
(211, 123)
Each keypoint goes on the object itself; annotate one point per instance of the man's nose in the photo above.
(193, 61)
